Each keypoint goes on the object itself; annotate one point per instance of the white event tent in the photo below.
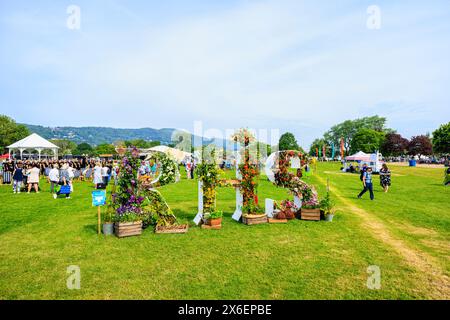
(178, 155)
(33, 142)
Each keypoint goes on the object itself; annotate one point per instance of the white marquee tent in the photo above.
(33, 142)
(175, 153)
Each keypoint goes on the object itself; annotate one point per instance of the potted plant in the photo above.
(128, 224)
(253, 214)
(327, 206)
(127, 200)
(213, 220)
(289, 209)
(108, 223)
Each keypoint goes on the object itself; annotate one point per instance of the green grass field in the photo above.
(405, 232)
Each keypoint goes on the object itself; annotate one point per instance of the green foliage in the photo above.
(105, 148)
(367, 140)
(83, 148)
(141, 143)
(317, 144)
(66, 147)
(10, 132)
(327, 204)
(441, 139)
(214, 215)
(169, 168)
(156, 210)
(208, 173)
(288, 142)
(99, 135)
(349, 128)
(36, 232)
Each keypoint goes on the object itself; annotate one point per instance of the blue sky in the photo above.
(299, 66)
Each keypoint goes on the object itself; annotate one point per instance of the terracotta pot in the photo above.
(215, 222)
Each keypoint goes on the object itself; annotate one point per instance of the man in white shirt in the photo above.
(53, 176)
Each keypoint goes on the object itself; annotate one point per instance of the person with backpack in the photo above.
(64, 182)
(367, 183)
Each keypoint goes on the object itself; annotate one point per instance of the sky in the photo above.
(292, 65)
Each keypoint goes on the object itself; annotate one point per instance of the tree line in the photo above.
(10, 132)
(370, 134)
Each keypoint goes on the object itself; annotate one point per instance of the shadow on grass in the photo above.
(91, 228)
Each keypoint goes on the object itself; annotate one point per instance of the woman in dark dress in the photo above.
(385, 177)
(8, 169)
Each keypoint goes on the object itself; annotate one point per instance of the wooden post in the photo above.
(99, 219)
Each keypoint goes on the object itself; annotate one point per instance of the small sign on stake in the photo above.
(98, 200)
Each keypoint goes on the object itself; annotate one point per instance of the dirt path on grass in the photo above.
(435, 279)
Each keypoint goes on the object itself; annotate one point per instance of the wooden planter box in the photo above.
(172, 229)
(251, 219)
(212, 224)
(277, 220)
(128, 229)
(310, 214)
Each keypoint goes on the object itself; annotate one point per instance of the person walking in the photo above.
(97, 173)
(385, 177)
(17, 178)
(367, 182)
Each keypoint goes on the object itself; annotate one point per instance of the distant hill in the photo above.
(97, 135)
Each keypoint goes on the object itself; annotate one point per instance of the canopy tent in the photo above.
(178, 155)
(33, 142)
(372, 160)
(4, 157)
(359, 156)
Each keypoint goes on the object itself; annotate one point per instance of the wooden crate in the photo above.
(172, 229)
(216, 227)
(310, 214)
(277, 220)
(254, 219)
(128, 229)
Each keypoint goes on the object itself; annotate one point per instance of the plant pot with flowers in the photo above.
(127, 201)
(310, 206)
(128, 224)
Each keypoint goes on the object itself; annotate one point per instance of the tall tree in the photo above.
(420, 145)
(347, 129)
(83, 148)
(105, 148)
(287, 142)
(367, 140)
(317, 145)
(394, 145)
(10, 132)
(441, 139)
(65, 146)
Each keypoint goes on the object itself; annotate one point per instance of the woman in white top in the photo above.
(98, 178)
(33, 178)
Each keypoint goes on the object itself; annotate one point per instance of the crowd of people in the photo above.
(25, 175)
